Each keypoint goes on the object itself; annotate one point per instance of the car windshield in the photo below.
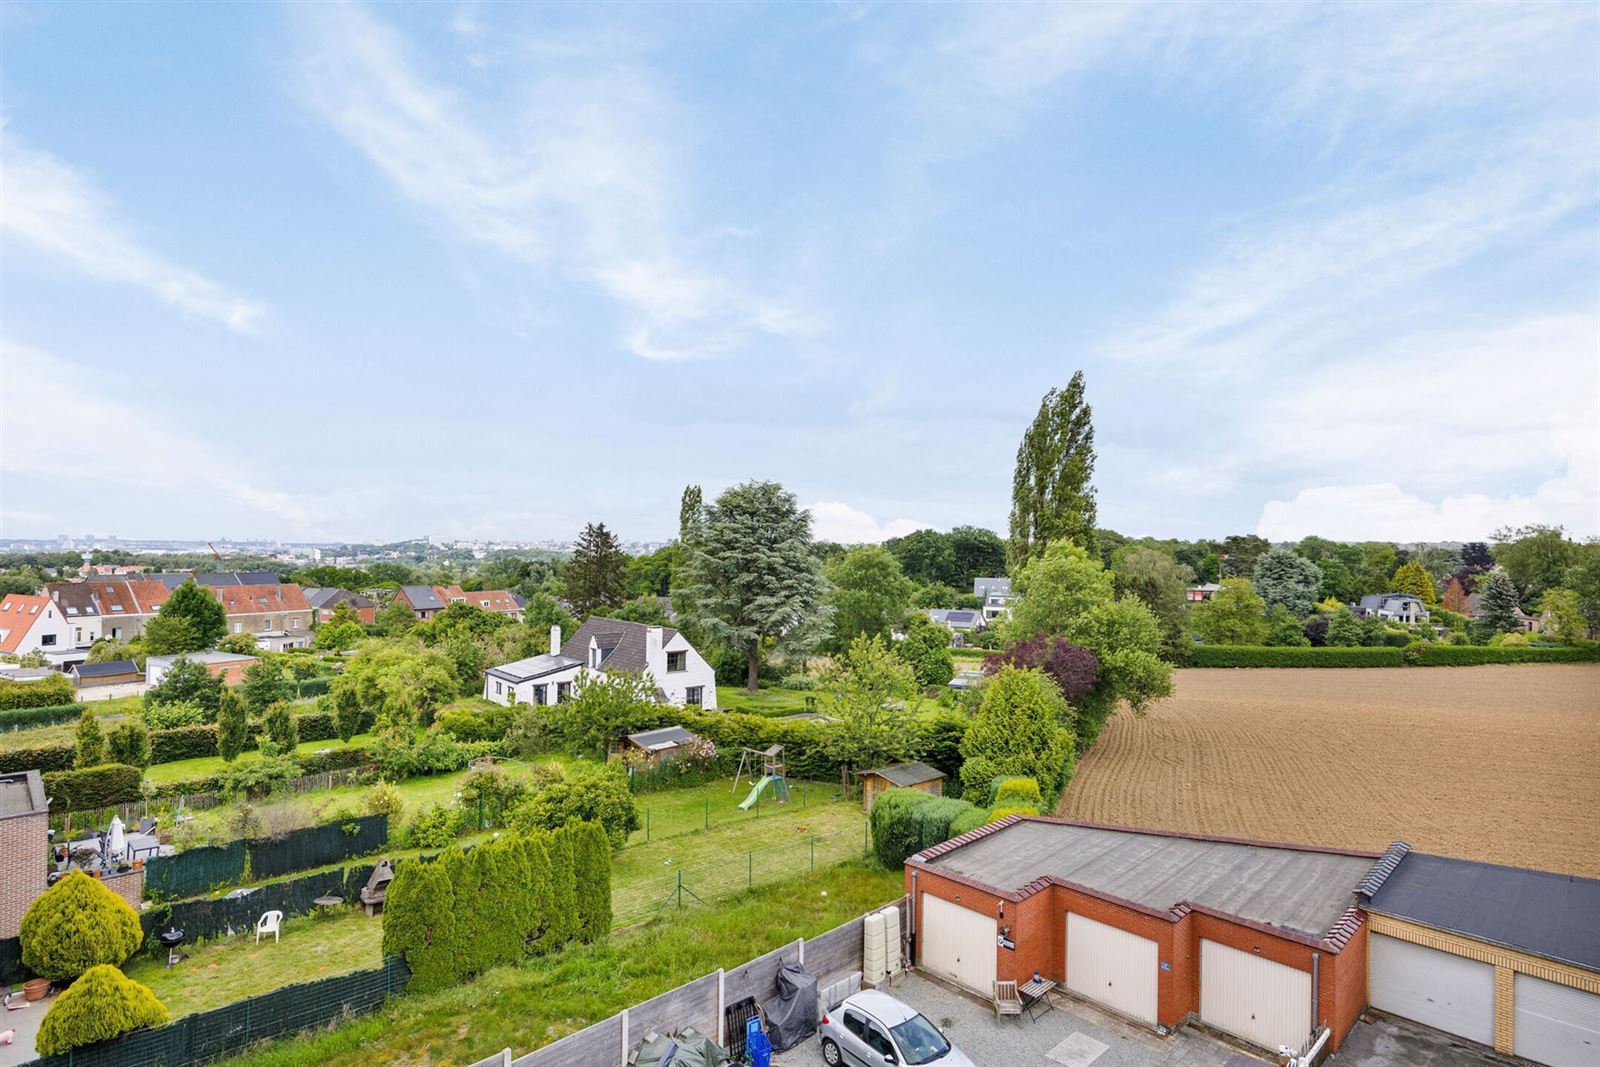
(919, 1040)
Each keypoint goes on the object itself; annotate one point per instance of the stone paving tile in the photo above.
(973, 1028)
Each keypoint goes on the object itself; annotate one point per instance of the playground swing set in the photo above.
(773, 777)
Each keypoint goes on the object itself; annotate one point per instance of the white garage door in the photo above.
(959, 943)
(1263, 1002)
(1112, 967)
(1449, 993)
(1556, 1024)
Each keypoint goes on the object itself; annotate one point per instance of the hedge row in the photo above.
(46, 692)
(93, 787)
(200, 870)
(1291, 656)
(310, 763)
(804, 753)
(1420, 655)
(48, 715)
(906, 821)
(509, 898)
(57, 757)
(1472, 655)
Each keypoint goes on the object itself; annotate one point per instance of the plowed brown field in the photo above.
(1500, 763)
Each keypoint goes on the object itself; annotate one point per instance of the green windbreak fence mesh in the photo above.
(10, 959)
(209, 1035)
(202, 920)
(318, 846)
(193, 871)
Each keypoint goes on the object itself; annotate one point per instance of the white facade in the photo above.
(673, 664)
(34, 624)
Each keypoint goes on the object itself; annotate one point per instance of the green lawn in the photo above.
(230, 969)
(770, 702)
(740, 848)
(62, 733)
(529, 1006)
(968, 658)
(207, 766)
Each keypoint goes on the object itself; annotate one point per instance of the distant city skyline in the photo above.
(334, 271)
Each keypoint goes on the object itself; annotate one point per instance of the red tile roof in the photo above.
(487, 599)
(18, 614)
(259, 599)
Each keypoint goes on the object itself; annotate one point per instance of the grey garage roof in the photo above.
(1294, 889)
(106, 669)
(906, 774)
(1556, 916)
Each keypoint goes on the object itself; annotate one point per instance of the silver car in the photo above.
(871, 1029)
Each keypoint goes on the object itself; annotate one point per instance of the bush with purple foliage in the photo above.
(1073, 668)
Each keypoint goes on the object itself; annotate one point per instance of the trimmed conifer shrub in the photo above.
(100, 1005)
(591, 863)
(419, 923)
(77, 924)
(564, 897)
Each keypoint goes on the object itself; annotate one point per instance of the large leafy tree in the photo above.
(1051, 495)
(979, 553)
(186, 682)
(869, 594)
(1455, 597)
(265, 684)
(873, 695)
(926, 555)
(1562, 616)
(1239, 553)
(207, 621)
(927, 648)
(606, 707)
(1067, 592)
(1159, 582)
(168, 635)
(1021, 729)
(400, 679)
(1535, 558)
(1583, 578)
(1413, 578)
(1234, 616)
(597, 574)
(1287, 579)
(752, 576)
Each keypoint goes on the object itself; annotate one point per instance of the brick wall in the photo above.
(1038, 926)
(128, 886)
(24, 867)
(1507, 964)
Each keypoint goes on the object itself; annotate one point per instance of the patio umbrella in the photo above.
(118, 843)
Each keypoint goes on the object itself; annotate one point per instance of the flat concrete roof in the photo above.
(1294, 889)
(21, 793)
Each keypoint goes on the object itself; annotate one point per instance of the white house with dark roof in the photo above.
(1396, 607)
(600, 646)
(964, 620)
(995, 594)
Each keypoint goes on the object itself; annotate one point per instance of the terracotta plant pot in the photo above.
(35, 988)
(138, 865)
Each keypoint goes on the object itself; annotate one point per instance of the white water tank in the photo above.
(874, 953)
(891, 939)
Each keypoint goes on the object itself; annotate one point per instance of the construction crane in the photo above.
(216, 554)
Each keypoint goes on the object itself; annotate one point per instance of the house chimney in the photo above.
(652, 644)
(555, 639)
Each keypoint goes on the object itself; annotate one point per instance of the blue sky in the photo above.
(342, 271)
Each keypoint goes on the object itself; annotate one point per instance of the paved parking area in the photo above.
(1079, 1035)
(1385, 1042)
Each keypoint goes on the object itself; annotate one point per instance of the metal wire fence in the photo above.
(665, 815)
(698, 884)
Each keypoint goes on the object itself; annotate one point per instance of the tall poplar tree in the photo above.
(752, 575)
(597, 576)
(1051, 495)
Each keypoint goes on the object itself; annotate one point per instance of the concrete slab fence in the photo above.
(831, 956)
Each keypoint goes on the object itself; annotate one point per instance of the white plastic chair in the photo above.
(269, 924)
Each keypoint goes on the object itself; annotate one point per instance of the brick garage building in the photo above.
(1259, 940)
(24, 846)
(1499, 955)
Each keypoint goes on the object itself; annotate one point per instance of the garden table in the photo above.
(1034, 992)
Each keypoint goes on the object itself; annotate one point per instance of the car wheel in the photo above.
(830, 1053)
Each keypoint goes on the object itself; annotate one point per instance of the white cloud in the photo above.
(58, 210)
(1385, 511)
(834, 520)
(103, 444)
(584, 177)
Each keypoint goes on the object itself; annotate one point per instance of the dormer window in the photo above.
(594, 657)
(677, 661)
